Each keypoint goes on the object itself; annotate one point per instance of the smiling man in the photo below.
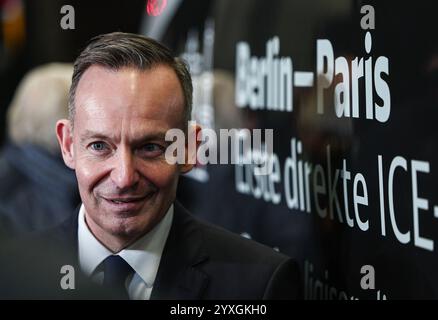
(115, 142)
(130, 234)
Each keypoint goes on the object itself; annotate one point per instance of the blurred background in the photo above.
(39, 41)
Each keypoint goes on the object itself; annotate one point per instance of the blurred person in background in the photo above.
(37, 190)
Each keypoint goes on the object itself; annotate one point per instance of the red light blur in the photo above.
(155, 7)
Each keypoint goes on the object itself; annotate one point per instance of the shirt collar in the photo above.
(143, 256)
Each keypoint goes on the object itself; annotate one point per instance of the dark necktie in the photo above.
(116, 270)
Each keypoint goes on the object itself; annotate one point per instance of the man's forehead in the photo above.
(128, 92)
(129, 78)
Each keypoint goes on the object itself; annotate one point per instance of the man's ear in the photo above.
(64, 133)
(191, 152)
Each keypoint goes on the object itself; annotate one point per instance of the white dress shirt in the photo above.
(143, 256)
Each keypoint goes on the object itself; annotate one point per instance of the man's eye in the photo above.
(152, 147)
(98, 146)
(151, 150)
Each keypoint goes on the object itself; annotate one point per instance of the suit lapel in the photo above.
(179, 275)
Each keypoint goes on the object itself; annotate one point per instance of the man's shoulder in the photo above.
(34, 266)
(222, 243)
(237, 268)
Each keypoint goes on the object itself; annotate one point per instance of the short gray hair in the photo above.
(40, 100)
(117, 50)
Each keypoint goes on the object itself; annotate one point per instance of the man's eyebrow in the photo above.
(88, 134)
(149, 137)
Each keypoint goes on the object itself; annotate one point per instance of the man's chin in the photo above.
(127, 232)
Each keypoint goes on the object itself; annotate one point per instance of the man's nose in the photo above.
(124, 174)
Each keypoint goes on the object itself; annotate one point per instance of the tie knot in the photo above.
(116, 271)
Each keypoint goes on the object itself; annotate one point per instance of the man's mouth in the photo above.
(125, 200)
(127, 203)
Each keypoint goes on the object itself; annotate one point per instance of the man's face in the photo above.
(117, 147)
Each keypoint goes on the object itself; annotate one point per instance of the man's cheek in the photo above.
(87, 175)
(162, 176)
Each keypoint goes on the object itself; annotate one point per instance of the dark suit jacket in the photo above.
(199, 261)
(30, 176)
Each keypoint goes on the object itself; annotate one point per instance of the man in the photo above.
(130, 234)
